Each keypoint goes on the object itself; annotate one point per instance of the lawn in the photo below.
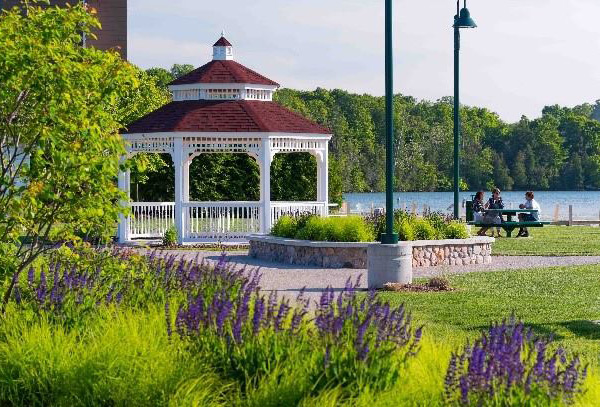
(552, 241)
(561, 301)
(150, 331)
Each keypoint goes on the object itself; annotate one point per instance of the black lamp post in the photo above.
(462, 19)
(389, 237)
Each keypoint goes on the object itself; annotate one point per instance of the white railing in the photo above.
(278, 209)
(221, 220)
(211, 221)
(150, 219)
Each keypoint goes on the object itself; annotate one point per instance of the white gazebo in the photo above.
(221, 107)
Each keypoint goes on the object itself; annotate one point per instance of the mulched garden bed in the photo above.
(436, 284)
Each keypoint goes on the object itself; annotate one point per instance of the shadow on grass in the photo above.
(584, 329)
(581, 328)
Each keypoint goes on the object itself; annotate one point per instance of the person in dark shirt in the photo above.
(478, 207)
(492, 217)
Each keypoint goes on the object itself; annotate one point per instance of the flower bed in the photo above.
(426, 253)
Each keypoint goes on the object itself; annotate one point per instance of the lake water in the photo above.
(586, 204)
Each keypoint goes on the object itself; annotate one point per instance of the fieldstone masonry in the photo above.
(425, 253)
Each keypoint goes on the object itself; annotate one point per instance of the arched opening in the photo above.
(224, 177)
(294, 177)
(152, 178)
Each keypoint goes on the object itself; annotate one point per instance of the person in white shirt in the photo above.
(530, 203)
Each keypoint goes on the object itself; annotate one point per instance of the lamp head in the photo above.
(464, 20)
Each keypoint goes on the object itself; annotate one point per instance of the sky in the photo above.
(524, 55)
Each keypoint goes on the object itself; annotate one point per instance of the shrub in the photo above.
(507, 366)
(353, 229)
(405, 229)
(456, 230)
(170, 237)
(424, 230)
(286, 226)
(330, 229)
(439, 221)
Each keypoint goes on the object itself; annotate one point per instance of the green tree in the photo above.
(60, 146)
(162, 76)
(179, 70)
(501, 176)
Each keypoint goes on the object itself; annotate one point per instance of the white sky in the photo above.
(524, 55)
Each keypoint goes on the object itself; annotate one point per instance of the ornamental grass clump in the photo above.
(508, 366)
(363, 343)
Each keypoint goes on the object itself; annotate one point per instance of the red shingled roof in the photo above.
(222, 42)
(223, 72)
(224, 116)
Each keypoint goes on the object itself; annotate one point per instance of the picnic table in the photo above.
(509, 225)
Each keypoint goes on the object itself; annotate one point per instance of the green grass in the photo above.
(552, 241)
(561, 301)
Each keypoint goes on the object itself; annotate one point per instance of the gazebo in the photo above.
(221, 107)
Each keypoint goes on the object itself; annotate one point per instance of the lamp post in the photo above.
(462, 19)
(389, 237)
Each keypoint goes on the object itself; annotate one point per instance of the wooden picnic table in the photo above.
(511, 212)
(509, 225)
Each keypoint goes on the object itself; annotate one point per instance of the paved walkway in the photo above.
(289, 279)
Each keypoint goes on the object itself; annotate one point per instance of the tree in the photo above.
(179, 70)
(162, 76)
(60, 145)
(502, 178)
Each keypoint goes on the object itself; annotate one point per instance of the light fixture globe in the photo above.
(464, 20)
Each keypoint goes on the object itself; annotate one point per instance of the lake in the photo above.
(586, 204)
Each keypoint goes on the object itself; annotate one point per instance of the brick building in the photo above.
(112, 15)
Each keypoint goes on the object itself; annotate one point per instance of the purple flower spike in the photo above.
(168, 318)
(507, 362)
(31, 276)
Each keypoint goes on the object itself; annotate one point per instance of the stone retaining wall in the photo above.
(426, 253)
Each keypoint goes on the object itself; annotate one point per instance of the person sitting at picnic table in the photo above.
(492, 217)
(478, 207)
(530, 203)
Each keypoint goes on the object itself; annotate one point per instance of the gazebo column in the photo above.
(124, 185)
(179, 163)
(265, 186)
(186, 179)
(323, 179)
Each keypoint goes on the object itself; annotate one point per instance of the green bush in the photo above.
(330, 229)
(405, 229)
(170, 237)
(434, 226)
(424, 230)
(315, 228)
(286, 226)
(456, 230)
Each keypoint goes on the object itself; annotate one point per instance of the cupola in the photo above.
(223, 79)
(222, 49)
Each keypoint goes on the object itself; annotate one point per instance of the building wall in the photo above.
(112, 15)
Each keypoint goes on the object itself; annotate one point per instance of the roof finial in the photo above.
(223, 33)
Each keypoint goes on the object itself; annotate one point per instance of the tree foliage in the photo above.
(59, 128)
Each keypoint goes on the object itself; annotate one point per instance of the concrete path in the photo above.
(289, 279)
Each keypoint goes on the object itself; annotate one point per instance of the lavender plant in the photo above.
(74, 283)
(364, 342)
(508, 366)
(245, 334)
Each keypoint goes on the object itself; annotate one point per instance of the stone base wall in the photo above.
(327, 257)
(430, 253)
(452, 255)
